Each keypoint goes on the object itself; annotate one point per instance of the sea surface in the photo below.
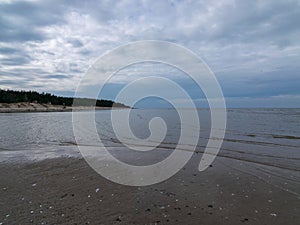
(264, 142)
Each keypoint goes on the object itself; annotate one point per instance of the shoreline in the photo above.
(24, 107)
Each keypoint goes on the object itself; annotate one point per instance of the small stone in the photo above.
(273, 214)
(63, 196)
(97, 190)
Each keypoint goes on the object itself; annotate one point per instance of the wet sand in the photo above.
(67, 191)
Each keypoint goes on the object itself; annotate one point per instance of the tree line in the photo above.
(12, 96)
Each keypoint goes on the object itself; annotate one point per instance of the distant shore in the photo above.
(37, 107)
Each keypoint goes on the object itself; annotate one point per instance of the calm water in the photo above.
(266, 142)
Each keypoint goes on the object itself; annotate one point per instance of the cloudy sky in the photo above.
(253, 47)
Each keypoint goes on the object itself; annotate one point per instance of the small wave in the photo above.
(258, 142)
(286, 137)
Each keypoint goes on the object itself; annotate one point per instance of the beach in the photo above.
(68, 191)
(254, 179)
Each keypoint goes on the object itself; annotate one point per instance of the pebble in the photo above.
(273, 214)
(245, 219)
(33, 185)
(97, 190)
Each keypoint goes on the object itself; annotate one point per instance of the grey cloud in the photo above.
(20, 20)
(251, 21)
(14, 56)
(76, 43)
(11, 82)
(58, 76)
(21, 34)
(8, 50)
(15, 61)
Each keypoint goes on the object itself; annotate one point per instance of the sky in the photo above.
(253, 47)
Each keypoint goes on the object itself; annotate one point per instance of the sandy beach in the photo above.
(36, 107)
(68, 191)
